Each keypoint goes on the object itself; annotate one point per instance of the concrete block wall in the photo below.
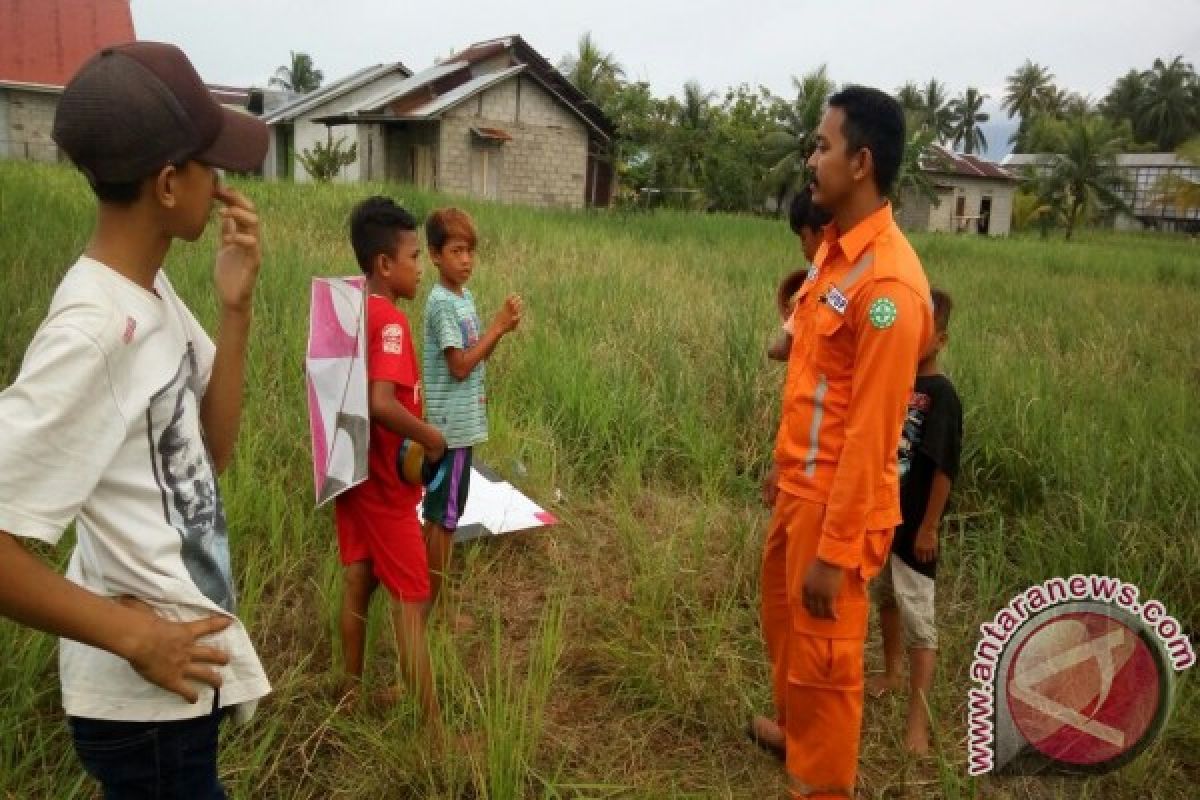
(28, 121)
(545, 164)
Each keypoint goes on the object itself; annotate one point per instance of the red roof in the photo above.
(45, 41)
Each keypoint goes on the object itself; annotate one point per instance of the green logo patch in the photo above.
(882, 313)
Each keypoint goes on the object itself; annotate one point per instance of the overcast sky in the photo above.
(1086, 43)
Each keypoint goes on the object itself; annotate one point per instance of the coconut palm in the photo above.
(911, 180)
(935, 111)
(1123, 98)
(693, 117)
(1082, 176)
(910, 98)
(299, 75)
(1026, 89)
(1169, 109)
(966, 115)
(592, 71)
(790, 145)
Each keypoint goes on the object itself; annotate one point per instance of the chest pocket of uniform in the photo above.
(832, 347)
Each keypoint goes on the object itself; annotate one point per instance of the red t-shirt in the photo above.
(391, 357)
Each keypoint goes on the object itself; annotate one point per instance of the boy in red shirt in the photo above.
(379, 536)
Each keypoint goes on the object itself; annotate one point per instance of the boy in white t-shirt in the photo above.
(121, 417)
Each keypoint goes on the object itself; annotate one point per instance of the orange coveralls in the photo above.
(862, 321)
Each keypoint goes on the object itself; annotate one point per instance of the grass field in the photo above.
(618, 655)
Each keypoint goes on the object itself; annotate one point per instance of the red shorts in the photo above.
(391, 541)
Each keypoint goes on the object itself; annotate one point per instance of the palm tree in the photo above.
(693, 115)
(1024, 96)
(1123, 98)
(300, 76)
(966, 116)
(1168, 108)
(1026, 89)
(592, 71)
(910, 98)
(1082, 175)
(912, 181)
(935, 111)
(790, 145)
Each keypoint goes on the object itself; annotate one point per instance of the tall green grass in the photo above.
(618, 654)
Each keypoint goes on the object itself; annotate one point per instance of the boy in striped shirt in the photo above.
(456, 347)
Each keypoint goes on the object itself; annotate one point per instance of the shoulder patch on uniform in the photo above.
(882, 312)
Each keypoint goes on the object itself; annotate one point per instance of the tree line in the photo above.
(730, 151)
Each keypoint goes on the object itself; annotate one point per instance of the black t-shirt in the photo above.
(931, 440)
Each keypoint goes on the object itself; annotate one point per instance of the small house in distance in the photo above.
(496, 121)
(974, 195)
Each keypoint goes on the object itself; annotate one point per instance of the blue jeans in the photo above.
(151, 760)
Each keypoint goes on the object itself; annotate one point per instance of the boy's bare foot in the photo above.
(767, 734)
(881, 683)
(917, 743)
(916, 735)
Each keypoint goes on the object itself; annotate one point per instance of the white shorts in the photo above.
(901, 587)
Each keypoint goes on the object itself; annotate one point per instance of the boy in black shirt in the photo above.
(904, 592)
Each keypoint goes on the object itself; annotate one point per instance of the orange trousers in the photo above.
(816, 665)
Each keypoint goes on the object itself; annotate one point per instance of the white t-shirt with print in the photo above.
(101, 427)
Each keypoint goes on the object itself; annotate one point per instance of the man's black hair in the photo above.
(375, 225)
(803, 213)
(874, 120)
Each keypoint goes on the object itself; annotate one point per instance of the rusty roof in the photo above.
(944, 161)
(46, 41)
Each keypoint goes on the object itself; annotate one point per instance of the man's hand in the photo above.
(509, 316)
(821, 586)
(168, 654)
(926, 546)
(770, 486)
(238, 254)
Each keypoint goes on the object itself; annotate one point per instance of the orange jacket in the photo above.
(862, 320)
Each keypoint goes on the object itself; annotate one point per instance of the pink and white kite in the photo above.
(336, 367)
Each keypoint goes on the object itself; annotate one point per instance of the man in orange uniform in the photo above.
(863, 318)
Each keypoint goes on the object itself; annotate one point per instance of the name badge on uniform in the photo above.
(836, 300)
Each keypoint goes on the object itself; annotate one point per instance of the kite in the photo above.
(495, 506)
(336, 367)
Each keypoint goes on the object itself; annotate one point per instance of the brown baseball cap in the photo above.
(134, 108)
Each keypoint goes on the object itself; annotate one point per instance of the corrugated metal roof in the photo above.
(1123, 160)
(46, 41)
(461, 93)
(354, 80)
(408, 85)
(943, 160)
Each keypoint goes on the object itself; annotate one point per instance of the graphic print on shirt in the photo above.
(470, 331)
(914, 426)
(186, 480)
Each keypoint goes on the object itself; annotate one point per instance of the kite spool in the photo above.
(412, 465)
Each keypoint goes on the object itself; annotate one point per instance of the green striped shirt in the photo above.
(457, 408)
